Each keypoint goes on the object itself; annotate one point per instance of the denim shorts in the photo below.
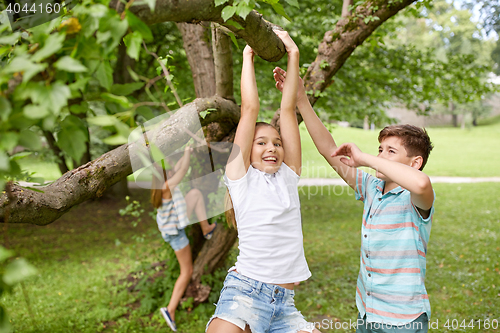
(265, 308)
(179, 241)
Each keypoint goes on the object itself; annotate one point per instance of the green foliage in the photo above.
(12, 272)
(82, 285)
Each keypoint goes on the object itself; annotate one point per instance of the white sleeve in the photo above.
(238, 189)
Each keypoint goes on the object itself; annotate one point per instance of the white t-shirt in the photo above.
(267, 210)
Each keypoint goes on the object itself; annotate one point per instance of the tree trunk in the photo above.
(454, 116)
(196, 39)
(223, 60)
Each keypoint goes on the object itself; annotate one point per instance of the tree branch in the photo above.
(257, 32)
(92, 179)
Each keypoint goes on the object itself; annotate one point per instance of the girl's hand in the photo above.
(188, 149)
(290, 45)
(279, 75)
(248, 51)
(353, 152)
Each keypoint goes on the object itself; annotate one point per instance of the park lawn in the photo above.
(84, 257)
(472, 152)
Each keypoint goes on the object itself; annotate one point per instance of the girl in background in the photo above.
(172, 216)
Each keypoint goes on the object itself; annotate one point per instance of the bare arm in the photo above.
(239, 161)
(290, 134)
(182, 167)
(412, 179)
(321, 136)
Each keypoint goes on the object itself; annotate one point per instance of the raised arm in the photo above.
(182, 167)
(239, 160)
(409, 177)
(290, 134)
(321, 136)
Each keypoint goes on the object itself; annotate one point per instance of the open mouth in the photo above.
(270, 159)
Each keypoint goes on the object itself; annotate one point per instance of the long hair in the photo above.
(229, 210)
(157, 187)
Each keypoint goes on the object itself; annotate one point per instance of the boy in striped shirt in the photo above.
(397, 215)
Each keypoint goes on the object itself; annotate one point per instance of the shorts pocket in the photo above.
(236, 284)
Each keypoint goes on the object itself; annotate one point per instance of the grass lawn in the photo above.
(84, 258)
(471, 152)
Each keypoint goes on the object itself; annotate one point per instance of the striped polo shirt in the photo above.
(390, 286)
(172, 214)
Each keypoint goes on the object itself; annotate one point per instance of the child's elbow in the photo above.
(423, 185)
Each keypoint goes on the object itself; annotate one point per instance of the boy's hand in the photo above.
(279, 75)
(353, 152)
(248, 51)
(290, 45)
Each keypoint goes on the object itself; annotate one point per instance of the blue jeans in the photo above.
(419, 325)
(265, 308)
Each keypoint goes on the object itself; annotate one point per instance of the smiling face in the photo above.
(267, 150)
(391, 148)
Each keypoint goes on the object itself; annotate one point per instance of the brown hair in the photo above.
(228, 202)
(157, 187)
(415, 140)
(229, 210)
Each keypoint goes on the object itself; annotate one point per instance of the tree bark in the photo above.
(196, 39)
(223, 59)
(257, 32)
(92, 179)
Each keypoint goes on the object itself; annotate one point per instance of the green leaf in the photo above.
(145, 112)
(115, 140)
(5, 108)
(278, 8)
(126, 89)
(17, 271)
(293, 3)
(137, 25)
(233, 38)
(83, 107)
(122, 100)
(234, 24)
(8, 140)
(22, 64)
(220, 2)
(133, 42)
(20, 155)
(104, 75)
(69, 64)
(30, 140)
(52, 44)
(228, 12)
(4, 161)
(10, 39)
(243, 9)
(102, 121)
(156, 153)
(4, 253)
(72, 141)
(35, 111)
(59, 95)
